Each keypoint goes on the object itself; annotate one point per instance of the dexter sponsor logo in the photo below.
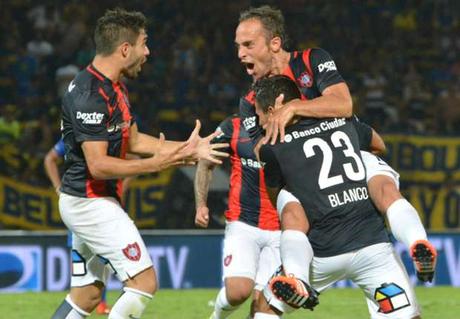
(90, 118)
(327, 66)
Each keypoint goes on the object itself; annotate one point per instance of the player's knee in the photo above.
(145, 281)
(237, 295)
(238, 289)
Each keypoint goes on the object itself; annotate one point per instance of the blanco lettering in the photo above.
(348, 196)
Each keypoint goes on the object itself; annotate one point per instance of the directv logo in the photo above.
(20, 268)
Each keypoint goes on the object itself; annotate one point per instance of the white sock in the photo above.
(222, 308)
(296, 254)
(260, 315)
(131, 304)
(405, 222)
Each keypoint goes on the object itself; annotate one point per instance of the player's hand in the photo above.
(167, 157)
(277, 121)
(200, 148)
(202, 217)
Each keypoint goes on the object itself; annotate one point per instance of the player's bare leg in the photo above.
(405, 224)
(264, 310)
(235, 292)
(80, 302)
(138, 291)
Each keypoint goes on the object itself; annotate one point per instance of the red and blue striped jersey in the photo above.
(248, 200)
(94, 109)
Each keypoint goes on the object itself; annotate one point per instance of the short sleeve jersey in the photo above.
(313, 70)
(94, 109)
(248, 200)
(320, 163)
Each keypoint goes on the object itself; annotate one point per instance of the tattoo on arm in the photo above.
(202, 181)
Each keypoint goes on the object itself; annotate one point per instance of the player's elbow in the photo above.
(347, 103)
(97, 171)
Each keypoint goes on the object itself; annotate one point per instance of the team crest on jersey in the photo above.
(305, 80)
(228, 260)
(391, 297)
(132, 251)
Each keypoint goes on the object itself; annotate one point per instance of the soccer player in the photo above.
(260, 39)
(252, 232)
(52, 158)
(320, 164)
(98, 131)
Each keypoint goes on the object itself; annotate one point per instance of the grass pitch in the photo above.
(438, 302)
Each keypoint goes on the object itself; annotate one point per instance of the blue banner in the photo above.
(39, 262)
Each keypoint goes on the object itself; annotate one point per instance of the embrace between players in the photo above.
(325, 227)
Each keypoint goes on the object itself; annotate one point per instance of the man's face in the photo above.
(253, 48)
(137, 56)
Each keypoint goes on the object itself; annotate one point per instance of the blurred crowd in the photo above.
(401, 60)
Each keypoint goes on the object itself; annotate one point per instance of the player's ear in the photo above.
(125, 47)
(270, 109)
(275, 44)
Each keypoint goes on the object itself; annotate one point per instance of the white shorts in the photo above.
(104, 240)
(376, 269)
(376, 166)
(250, 252)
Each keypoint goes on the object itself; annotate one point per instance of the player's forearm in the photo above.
(323, 107)
(109, 167)
(53, 172)
(202, 181)
(146, 144)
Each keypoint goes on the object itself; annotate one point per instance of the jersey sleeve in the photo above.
(59, 148)
(225, 130)
(89, 119)
(324, 69)
(249, 118)
(272, 169)
(364, 133)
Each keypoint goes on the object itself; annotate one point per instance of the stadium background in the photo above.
(401, 60)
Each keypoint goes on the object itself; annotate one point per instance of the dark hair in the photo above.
(272, 20)
(268, 89)
(117, 26)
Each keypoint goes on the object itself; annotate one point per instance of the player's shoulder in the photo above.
(249, 97)
(86, 90)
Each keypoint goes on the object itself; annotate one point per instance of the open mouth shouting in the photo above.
(249, 67)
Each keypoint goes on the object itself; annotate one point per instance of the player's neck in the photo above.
(108, 67)
(280, 62)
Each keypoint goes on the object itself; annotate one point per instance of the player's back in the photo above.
(320, 163)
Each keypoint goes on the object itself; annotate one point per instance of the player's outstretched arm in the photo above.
(201, 184)
(103, 166)
(197, 147)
